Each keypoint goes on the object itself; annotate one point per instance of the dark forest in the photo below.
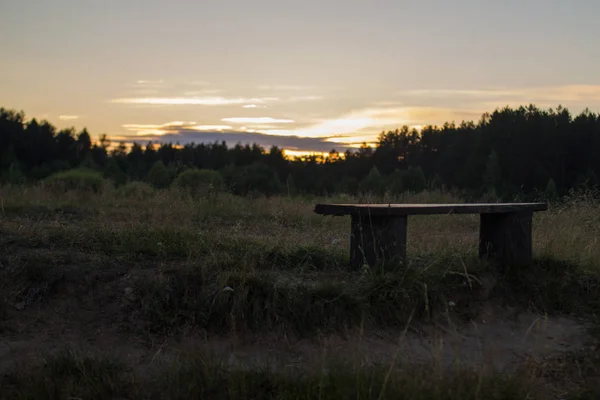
(524, 152)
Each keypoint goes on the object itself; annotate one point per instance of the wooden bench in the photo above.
(378, 231)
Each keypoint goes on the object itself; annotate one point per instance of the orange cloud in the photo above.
(211, 127)
(258, 120)
(370, 121)
(155, 129)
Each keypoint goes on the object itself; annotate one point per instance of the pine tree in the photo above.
(373, 183)
(291, 186)
(493, 174)
(550, 192)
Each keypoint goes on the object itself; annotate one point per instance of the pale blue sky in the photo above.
(314, 68)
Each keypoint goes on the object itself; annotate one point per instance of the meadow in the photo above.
(140, 293)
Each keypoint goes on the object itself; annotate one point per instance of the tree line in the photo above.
(524, 151)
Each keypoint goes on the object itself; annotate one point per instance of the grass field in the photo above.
(136, 294)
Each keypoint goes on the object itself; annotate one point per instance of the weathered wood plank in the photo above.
(377, 239)
(506, 238)
(425, 209)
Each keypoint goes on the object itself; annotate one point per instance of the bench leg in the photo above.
(506, 238)
(377, 239)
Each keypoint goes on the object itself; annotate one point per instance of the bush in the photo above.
(199, 181)
(114, 172)
(395, 182)
(251, 179)
(372, 183)
(79, 179)
(159, 175)
(414, 179)
(136, 190)
(348, 185)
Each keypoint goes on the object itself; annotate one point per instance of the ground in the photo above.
(164, 295)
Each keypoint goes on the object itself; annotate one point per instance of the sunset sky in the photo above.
(308, 75)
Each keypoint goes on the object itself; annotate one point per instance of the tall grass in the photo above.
(69, 375)
(568, 231)
(168, 262)
(281, 258)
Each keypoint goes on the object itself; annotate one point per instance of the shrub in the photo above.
(414, 179)
(136, 190)
(159, 175)
(114, 172)
(79, 179)
(199, 181)
(372, 183)
(14, 175)
(252, 179)
(348, 185)
(395, 182)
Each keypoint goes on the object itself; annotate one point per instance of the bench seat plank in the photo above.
(426, 209)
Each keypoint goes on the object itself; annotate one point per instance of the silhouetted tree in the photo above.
(524, 151)
(373, 183)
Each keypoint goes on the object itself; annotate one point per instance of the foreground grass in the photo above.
(68, 375)
(228, 263)
(167, 263)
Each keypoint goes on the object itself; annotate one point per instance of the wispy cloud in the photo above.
(346, 131)
(350, 123)
(352, 140)
(449, 93)
(148, 86)
(165, 125)
(211, 100)
(199, 83)
(201, 92)
(205, 101)
(145, 92)
(169, 133)
(286, 87)
(68, 117)
(156, 129)
(305, 98)
(370, 121)
(258, 120)
(206, 128)
(547, 94)
(254, 106)
(415, 116)
(258, 128)
(170, 127)
(150, 82)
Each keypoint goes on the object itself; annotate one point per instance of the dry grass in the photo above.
(69, 374)
(165, 263)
